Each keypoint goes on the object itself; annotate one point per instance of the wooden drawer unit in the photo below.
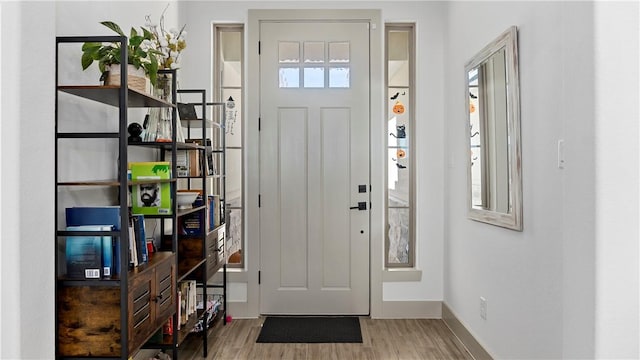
(190, 249)
(89, 316)
(89, 321)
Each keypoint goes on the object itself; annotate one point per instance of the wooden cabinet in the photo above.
(89, 316)
(152, 300)
(211, 250)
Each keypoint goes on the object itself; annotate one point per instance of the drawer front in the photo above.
(220, 245)
(211, 245)
(212, 265)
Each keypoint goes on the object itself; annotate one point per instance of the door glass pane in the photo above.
(398, 235)
(339, 52)
(398, 178)
(289, 52)
(314, 77)
(234, 236)
(314, 52)
(289, 77)
(398, 58)
(231, 61)
(234, 177)
(339, 77)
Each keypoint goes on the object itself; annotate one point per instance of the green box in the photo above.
(151, 198)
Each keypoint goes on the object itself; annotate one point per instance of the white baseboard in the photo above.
(473, 346)
(411, 310)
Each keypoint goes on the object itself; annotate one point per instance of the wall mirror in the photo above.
(494, 188)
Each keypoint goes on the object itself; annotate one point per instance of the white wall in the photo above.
(617, 78)
(27, 180)
(519, 273)
(567, 286)
(10, 181)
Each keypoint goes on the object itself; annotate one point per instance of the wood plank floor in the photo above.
(382, 339)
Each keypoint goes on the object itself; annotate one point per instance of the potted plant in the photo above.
(141, 54)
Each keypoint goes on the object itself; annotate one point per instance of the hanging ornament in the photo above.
(398, 108)
(230, 115)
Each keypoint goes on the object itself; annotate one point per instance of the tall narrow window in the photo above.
(228, 85)
(400, 239)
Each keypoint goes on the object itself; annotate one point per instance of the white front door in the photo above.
(314, 167)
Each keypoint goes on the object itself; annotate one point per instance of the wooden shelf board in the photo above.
(167, 145)
(112, 182)
(191, 270)
(197, 123)
(183, 212)
(109, 94)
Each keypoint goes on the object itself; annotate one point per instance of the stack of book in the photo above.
(98, 256)
(187, 299)
(88, 256)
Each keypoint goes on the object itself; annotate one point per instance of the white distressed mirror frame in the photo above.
(512, 219)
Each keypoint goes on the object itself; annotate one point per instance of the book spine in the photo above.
(107, 256)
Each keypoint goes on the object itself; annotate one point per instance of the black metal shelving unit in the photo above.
(212, 137)
(119, 339)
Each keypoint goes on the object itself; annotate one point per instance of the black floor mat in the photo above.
(310, 329)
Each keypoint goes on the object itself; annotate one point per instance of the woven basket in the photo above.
(136, 78)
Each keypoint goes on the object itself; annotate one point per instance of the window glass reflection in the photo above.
(314, 52)
(314, 77)
(289, 77)
(339, 52)
(288, 52)
(339, 77)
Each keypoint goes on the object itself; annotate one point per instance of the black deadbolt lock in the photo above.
(362, 188)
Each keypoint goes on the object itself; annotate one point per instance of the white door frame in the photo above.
(376, 128)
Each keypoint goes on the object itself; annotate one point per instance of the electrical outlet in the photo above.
(483, 308)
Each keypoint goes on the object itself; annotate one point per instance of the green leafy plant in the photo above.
(141, 52)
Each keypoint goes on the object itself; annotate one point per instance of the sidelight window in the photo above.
(228, 84)
(400, 189)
